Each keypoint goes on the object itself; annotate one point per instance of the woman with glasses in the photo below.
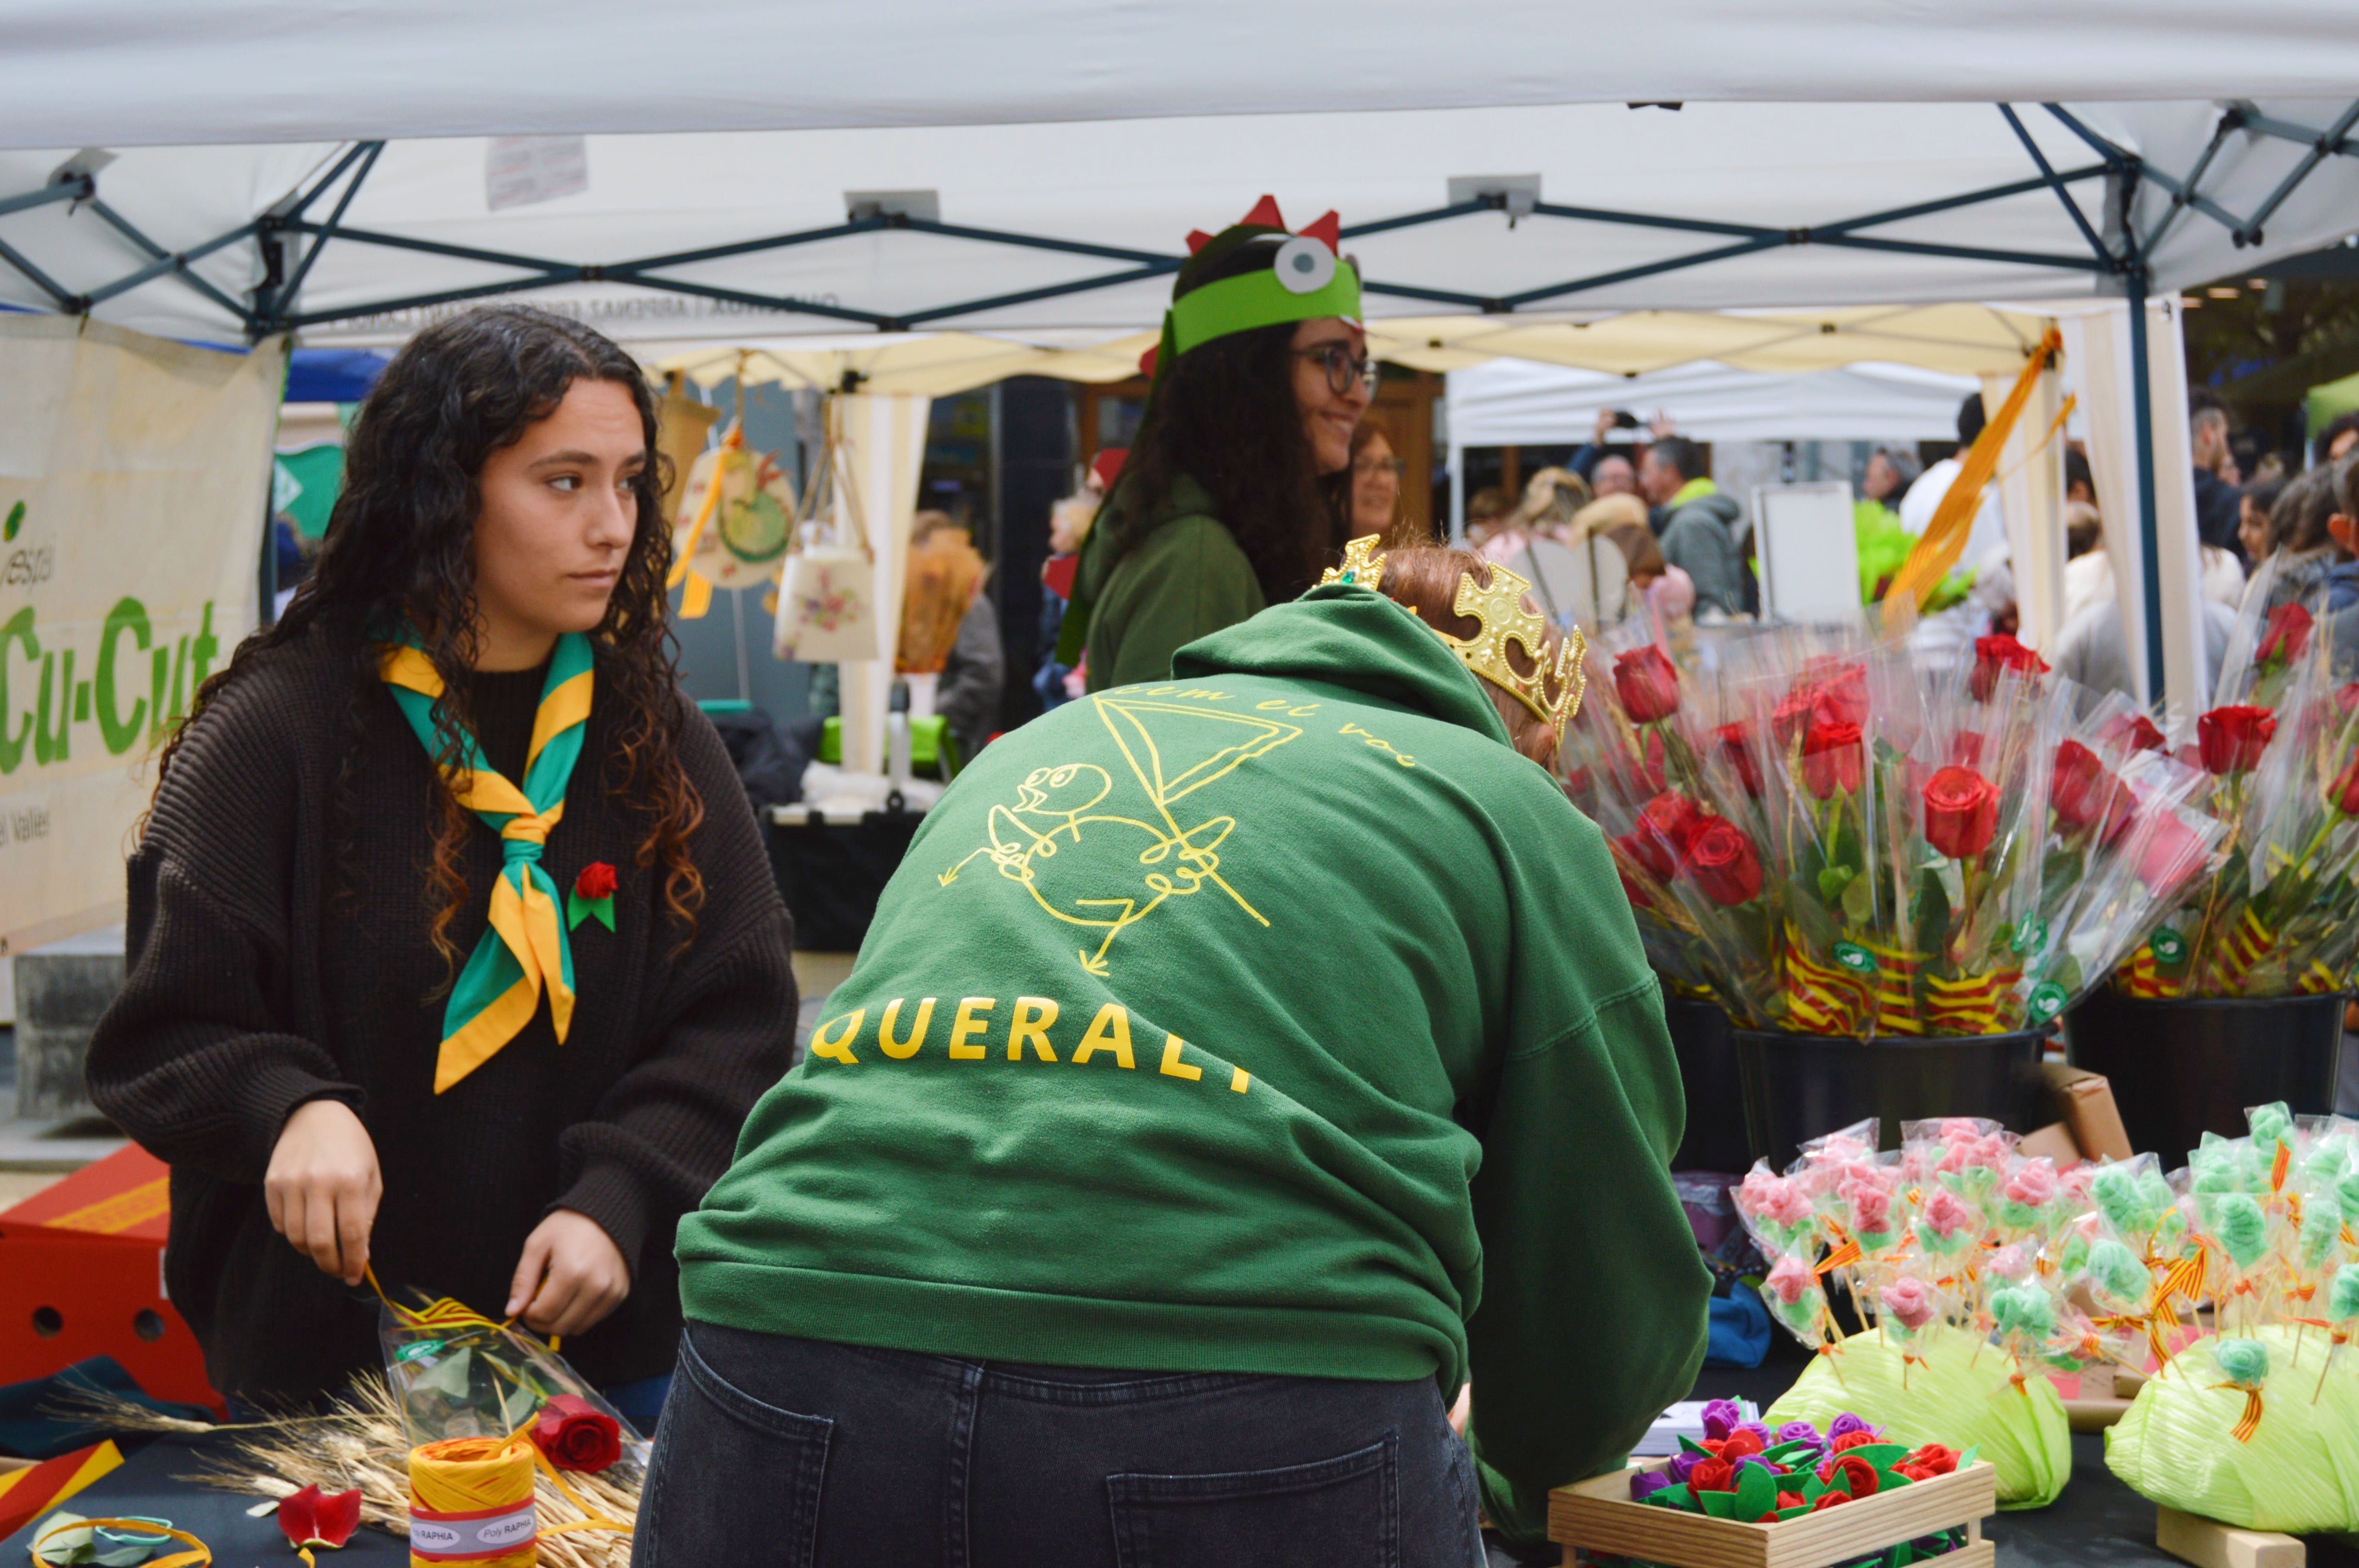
(1234, 493)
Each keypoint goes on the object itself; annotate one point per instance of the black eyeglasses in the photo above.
(1343, 367)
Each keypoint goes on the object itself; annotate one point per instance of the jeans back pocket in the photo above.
(713, 1428)
(1340, 1510)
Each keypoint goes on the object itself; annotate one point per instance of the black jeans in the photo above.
(778, 1453)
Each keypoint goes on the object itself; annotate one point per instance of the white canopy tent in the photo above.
(755, 171)
(1517, 402)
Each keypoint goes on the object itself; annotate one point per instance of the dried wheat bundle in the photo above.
(944, 571)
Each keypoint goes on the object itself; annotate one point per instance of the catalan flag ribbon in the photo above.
(523, 948)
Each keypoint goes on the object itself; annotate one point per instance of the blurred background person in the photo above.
(2216, 512)
(1884, 545)
(1698, 523)
(1069, 529)
(2253, 509)
(1376, 488)
(1485, 510)
(1658, 589)
(2337, 441)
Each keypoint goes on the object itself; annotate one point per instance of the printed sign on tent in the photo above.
(133, 477)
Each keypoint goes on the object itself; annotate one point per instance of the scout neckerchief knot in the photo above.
(1303, 278)
(525, 945)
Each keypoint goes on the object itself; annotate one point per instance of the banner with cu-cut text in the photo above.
(133, 477)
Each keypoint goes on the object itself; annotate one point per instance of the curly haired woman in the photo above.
(455, 962)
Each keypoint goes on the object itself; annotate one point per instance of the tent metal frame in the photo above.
(288, 229)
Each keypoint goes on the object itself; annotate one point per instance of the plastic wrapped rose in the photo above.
(1908, 1302)
(1961, 812)
(1647, 683)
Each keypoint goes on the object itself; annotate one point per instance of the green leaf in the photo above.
(68, 1545)
(1970, 1455)
(1690, 1445)
(1757, 1492)
(1859, 902)
(1776, 1452)
(447, 1377)
(1795, 1512)
(1880, 1454)
(1718, 1505)
(1833, 880)
(1679, 1497)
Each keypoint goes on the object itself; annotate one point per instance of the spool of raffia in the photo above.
(471, 1501)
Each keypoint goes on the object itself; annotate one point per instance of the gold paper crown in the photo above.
(1504, 619)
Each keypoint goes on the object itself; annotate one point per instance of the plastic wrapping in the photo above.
(1944, 1392)
(457, 1375)
(2298, 1473)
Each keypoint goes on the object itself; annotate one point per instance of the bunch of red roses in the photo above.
(2279, 915)
(1754, 1475)
(1840, 844)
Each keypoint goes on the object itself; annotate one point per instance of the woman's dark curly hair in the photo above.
(1225, 416)
(400, 549)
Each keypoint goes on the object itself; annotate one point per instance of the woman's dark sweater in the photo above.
(253, 987)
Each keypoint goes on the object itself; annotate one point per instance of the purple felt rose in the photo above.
(1720, 1418)
(1756, 1459)
(1847, 1423)
(1645, 1483)
(1797, 1432)
(1757, 1429)
(1684, 1464)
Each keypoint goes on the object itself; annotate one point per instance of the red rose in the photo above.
(1724, 864)
(1639, 896)
(2344, 791)
(1859, 1439)
(314, 1518)
(596, 880)
(1789, 1500)
(1713, 1475)
(1739, 1444)
(1934, 1459)
(1666, 823)
(1966, 749)
(1842, 696)
(2170, 854)
(1961, 812)
(1736, 744)
(1831, 758)
(2231, 739)
(2131, 732)
(1793, 713)
(576, 1435)
(1858, 1476)
(2086, 794)
(1647, 683)
(2286, 634)
(1995, 655)
(1830, 1500)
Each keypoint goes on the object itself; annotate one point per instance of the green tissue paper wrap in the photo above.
(2301, 1472)
(1952, 1397)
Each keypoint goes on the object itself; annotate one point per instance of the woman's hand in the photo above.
(570, 1277)
(323, 1185)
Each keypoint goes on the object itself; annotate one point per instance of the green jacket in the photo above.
(1275, 1018)
(1156, 582)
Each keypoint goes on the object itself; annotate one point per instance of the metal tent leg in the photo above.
(2149, 530)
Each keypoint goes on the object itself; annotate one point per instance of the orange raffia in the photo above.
(2251, 1421)
(445, 1313)
(2277, 1168)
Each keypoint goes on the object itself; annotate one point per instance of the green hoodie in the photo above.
(1276, 1018)
(1150, 584)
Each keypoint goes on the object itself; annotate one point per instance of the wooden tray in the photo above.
(1597, 1515)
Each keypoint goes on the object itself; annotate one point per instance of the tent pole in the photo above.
(2149, 530)
(1457, 494)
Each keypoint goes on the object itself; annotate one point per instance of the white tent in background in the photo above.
(756, 171)
(1517, 402)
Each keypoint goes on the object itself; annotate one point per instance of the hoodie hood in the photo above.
(1121, 525)
(1357, 639)
(1719, 504)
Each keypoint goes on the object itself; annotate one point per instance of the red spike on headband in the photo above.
(1197, 241)
(1264, 214)
(1328, 231)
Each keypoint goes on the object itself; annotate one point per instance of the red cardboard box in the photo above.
(82, 1274)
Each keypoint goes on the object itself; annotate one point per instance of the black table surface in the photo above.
(2097, 1520)
(152, 1484)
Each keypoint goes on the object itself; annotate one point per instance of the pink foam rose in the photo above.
(1871, 1209)
(1957, 1127)
(2033, 1185)
(1789, 1280)
(1773, 1197)
(1988, 1153)
(1946, 1214)
(2011, 1263)
(1907, 1300)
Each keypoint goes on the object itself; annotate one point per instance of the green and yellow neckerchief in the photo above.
(525, 947)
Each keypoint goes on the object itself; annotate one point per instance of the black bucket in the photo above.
(2183, 1067)
(1715, 1132)
(1799, 1087)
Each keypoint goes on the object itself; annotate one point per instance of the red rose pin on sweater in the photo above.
(592, 896)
